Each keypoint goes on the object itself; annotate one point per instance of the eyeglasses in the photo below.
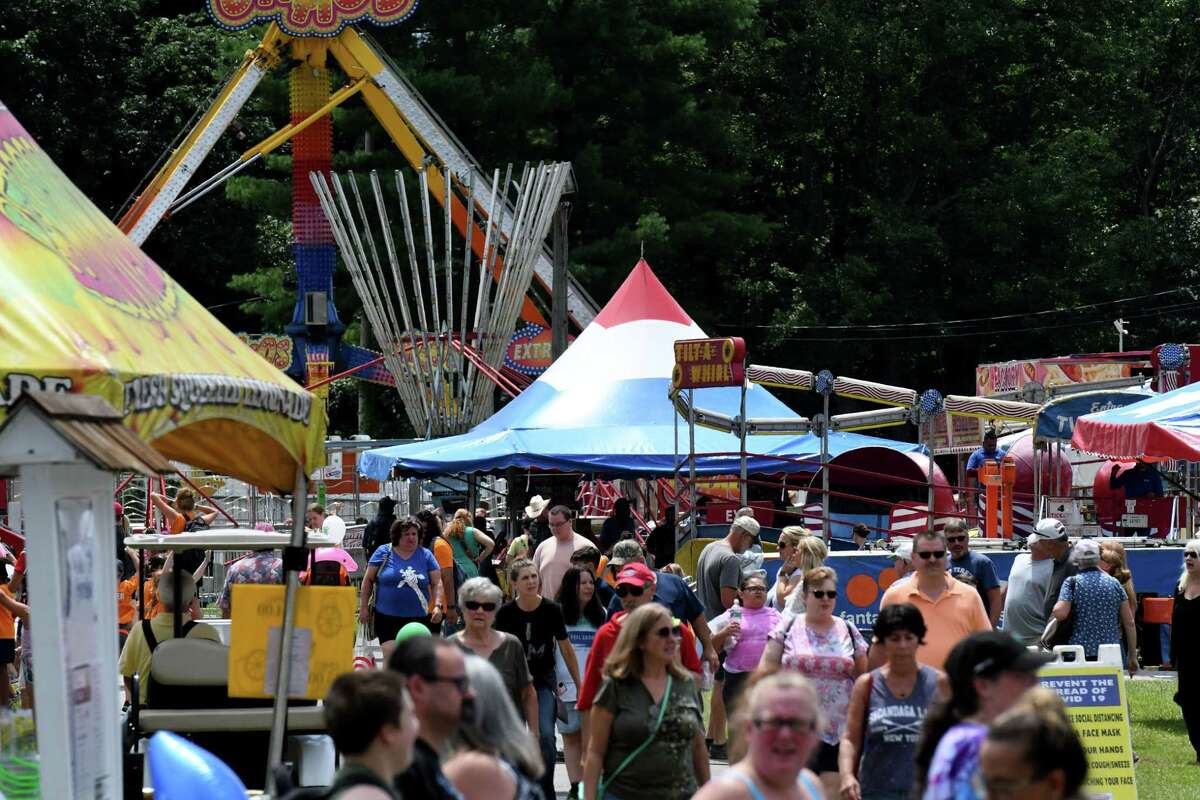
(460, 682)
(821, 594)
(928, 554)
(755, 589)
(956, 539)
(625, 590)
(793, 724)
(668, 631)
(475, 605)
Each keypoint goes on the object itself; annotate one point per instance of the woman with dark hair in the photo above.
(887, 707)
(583, 616)
(1032, 751)
(407, 583)
(988, 672)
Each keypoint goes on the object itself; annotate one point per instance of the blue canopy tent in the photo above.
(602, 408)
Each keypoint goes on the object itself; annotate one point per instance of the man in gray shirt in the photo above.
(719, 570)
(1028, 581)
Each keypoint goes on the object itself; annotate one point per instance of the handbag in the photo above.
(662, 712)
(374, 592)
(1059, 631)
(364, 657)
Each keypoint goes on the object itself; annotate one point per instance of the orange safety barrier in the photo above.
(1008, 479)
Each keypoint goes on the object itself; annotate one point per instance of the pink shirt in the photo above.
(757, 623)
(553, 558)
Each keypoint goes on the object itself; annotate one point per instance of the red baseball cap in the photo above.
(118, 509)
(635, 574)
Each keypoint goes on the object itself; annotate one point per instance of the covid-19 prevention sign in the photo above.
(1095, 701)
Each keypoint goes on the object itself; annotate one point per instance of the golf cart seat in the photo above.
(189, 693)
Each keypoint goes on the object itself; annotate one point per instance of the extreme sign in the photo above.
(705, 363)
(1095, 701)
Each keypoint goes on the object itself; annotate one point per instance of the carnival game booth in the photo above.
(88, 316)
(602, 410)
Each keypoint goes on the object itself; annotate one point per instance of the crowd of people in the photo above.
(492, 655)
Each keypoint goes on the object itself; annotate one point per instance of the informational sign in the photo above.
(1063, 509)
(322, 641)
(964, 435)
(1095, 701)
(705, 363)
(80, 617)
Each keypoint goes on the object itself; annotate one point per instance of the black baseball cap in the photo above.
(989, 653)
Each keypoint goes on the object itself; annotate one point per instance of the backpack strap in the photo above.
(187, 628)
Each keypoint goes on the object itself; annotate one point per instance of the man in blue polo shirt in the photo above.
(989, 452)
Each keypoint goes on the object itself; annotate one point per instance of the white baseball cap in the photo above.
(1048, 530)
(903, 550)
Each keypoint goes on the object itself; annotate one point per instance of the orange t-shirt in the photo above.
(444, 555)
(8, 628)
(150, 602)
(126, 610)
(181, 519)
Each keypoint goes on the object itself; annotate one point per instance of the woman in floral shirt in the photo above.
(831, 653)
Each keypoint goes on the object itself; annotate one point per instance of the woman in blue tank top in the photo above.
(887, 708)
(780, 727)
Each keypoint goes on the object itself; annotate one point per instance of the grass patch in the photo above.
(1167, 768)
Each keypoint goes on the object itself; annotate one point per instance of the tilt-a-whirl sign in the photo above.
(706, 363)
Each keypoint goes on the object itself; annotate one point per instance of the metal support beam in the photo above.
(558, 287)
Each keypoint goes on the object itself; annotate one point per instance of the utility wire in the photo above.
(972, 320)
(888, 337)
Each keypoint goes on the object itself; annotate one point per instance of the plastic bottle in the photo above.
(735, 616)
(706, 678)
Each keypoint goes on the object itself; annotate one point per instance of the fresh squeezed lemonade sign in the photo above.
(1095, 701)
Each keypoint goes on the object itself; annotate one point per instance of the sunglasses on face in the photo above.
(928, 554)
(1190, 554)
(956, 539)
(625, 590)
(460, 682)
(793, 724)
(821, 594)
(668, 631)
(475, 605)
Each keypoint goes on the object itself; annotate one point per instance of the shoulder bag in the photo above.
(374, 593)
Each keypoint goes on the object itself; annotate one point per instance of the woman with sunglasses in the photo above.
(1185, 641)
(778, 722)
(647, 737)
(583, 615)
(887, 707)
(538, 624)
(830, 652)
(742, 634)
(799, 551)
(407, 583)
(480, 599)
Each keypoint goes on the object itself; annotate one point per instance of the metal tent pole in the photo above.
(825, 529)
(692, 462)
(929, 443)
(743, 488)
(292, 584)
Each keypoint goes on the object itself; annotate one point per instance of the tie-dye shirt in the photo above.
(955, 763)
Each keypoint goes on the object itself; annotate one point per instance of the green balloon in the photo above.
(412, 629)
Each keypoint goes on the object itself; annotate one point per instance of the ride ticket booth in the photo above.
(64, 449)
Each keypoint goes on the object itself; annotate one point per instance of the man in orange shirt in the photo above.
(952, 610)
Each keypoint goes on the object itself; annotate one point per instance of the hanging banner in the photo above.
(530, 350)
(705, 363)
(1012, 375)
(1095, 701)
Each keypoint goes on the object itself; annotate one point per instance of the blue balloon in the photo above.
(179, 770)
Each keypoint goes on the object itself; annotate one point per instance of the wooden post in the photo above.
(558, 288)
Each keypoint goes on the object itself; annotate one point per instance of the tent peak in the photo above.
(641, 296)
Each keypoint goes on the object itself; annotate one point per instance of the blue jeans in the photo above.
(547, 715)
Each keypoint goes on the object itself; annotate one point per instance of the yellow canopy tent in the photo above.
(83, 309)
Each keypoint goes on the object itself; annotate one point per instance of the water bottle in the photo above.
(706, 678)
(735, 615)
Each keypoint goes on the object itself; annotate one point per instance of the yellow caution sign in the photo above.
(322, 640)
(1096, 703)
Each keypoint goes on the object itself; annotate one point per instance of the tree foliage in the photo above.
(796, 172)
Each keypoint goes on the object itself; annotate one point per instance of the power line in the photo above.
(989, 332)
(969, 321)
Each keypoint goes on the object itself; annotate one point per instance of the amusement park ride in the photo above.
(308, 39)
